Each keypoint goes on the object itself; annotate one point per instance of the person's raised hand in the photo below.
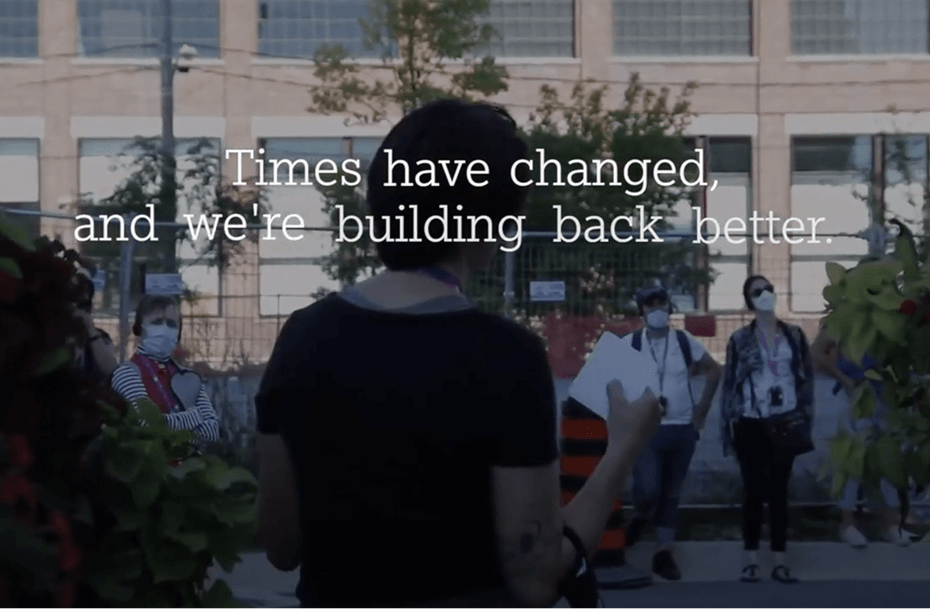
(630, 424)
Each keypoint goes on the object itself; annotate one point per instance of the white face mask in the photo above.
(657, 318)
(765, 301)
(159, 340)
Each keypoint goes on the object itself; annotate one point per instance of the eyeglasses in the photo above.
(758, 291)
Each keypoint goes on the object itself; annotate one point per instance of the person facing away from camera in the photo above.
(769, 371)
(401, 426)
(662, 467)
(152, 373)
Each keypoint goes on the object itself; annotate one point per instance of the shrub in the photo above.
(92, 511)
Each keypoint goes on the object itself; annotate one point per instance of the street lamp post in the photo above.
(168, 199)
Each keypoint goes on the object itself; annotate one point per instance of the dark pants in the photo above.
(765, 472)
(660, 473)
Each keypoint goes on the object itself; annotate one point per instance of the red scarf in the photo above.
(156, 377)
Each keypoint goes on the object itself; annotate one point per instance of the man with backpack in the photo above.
(661, 469)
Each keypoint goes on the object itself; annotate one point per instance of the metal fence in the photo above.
(236, 323)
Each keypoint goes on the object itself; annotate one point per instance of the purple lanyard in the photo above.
(771, 357)
(442, 275)
(150, 369)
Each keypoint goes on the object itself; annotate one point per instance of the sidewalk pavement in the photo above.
(821, 566)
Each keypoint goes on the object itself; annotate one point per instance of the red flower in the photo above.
(908, 307)
(19, 447)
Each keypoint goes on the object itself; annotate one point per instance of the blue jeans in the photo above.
(659, 475)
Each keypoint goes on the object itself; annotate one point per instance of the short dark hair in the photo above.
(453, 130)
(155, 302)
(746, 285)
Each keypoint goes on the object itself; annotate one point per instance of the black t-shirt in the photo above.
(394, 421)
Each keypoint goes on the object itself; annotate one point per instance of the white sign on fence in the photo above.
(164, 283)
(100, 281)
(547, 291)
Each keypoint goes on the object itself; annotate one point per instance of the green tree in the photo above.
(593, 143)
(201, 192)
(418, 41)
(882, 308)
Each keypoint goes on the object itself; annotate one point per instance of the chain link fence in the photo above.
(233, 316)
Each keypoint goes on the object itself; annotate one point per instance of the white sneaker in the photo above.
(853, 537)
(897, 536)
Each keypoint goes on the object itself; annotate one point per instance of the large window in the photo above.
(19, 182)
(296, 28)
(728, 162)
(682, 28)
(532, 28)
(104, 165)
(133, 28)
(730, 165)
(19, 28)
(291, 268)
(830, 180)
(853, 27)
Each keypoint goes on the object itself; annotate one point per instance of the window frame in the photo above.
(723, 56)
(151, 18)
(17, 41)
(833, 53)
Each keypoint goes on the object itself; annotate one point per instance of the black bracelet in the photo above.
(579, 587)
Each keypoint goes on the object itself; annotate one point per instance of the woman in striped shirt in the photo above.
(152, 373)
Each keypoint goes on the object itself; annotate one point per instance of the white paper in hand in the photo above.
(613, 359)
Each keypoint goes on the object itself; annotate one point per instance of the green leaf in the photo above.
(890, 324)
(887, 300)
(858, 344)
(865, 404)
(873, 375)
(151, 415)
(222, 480)
(835, 272)
(124, 465)
(196, 542)
(169, 560)
(854, 465)
(145, 489)
(219, 595)
(891, 461)
(11, 268)
(840, 448)
(233, 513)
(187, 467)
(17, 234)
(172, 515)
(53, 360)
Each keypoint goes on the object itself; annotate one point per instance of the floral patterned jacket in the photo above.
(744, 357)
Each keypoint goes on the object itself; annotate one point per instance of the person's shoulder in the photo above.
(741, 332)
(504, 330)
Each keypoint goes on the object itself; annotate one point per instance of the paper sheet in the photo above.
(613, 358)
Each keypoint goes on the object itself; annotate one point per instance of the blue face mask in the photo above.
(657, 319)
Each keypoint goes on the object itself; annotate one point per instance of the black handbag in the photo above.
(790, 432)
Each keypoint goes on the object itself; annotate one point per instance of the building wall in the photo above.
(240, 97)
